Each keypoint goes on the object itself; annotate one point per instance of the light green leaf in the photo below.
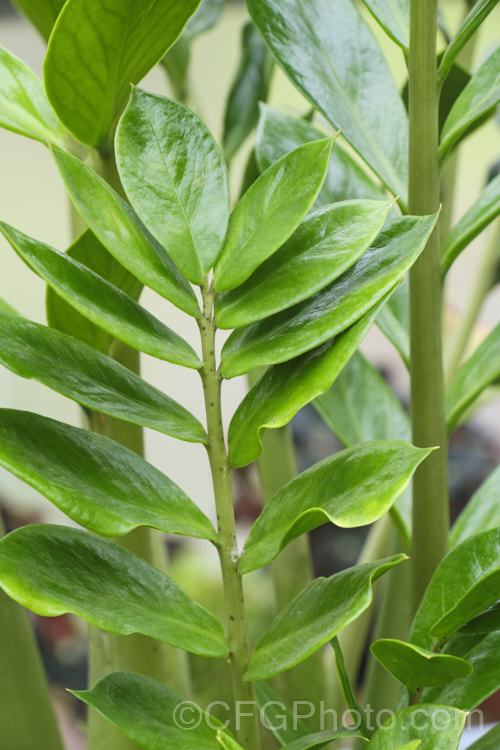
(277, 716)
(102, 485)
(352, 488)
(394, 17)
(472, 223)
(150, 713)
(6, 308)
(315, 616)
(478, 372)
(487, 622)
(333, 309)
(91, 378)
(250, 86)
(325, 245)
(270, 210)
(286, 388)
(101, 302)
(424, 726)
(117, 227)
(465, 583)
(482, 512)
(226, 742)
(41, 13)
(97, 50)
(175, 178)
(277, 134)
(480, 95)
(394, 320)
(488, 741)
(415, 667)
(355, 92)
(321, 739)
(53, 570)
(24, 108)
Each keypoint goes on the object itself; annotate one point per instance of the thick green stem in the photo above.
(237, 628)
(430, 496)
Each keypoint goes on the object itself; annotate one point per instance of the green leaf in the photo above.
(321, 739)
(249, 87)
(205, 17)
(41, 13)
(91, 378)
(97, 50)
(356, 93)
(117, 227)
(424, 726)
(53, 570)
(6, 308)
(333, 309)
(24, 108)
(270, 210)
(175, 178)
(352, 488)
(480, 95)
(325, 245)
(102, 485)
(227, 742)
(465, 583)
(277, 134)
(394, 17)
(315, 616)
(394, 320)
(488, 741)
(415, 667)
(150, 713)
(479, 11)
(286, 388)
(472, 223)
(482, 512)
(487, 622)
(277, 716)
(478, 372)
(100, 301)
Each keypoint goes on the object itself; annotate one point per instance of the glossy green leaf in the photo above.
(270, 211)
(322, 739)
(415, 667)
(91, 378)
(41, 13)
(278, 134)
(286, 388)
(478, 372)
(487, 622)
(250, 86)
(352, 488)
(312, 41)
(477, 14)
(175, 177)
(97, 50)
(489, 741)
(482, 512)
(6, 308)
(394, 320)
(117, 227)
(150, 713)
(394, 17)
(325, 245)
(100, 301)
(333, 309)
(480, 95)
(277, 716)
(477, 218)
(424, 726)
(102, 485)
(465, 583)
(24, 107)
(53, 570)
(315, 616)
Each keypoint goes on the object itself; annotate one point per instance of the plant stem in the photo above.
(347, 691)
(237, 628)
(430, 495)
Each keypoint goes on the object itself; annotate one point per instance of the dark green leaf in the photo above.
(270, 210)
(321, 739)
(325, 245)
(489, 741)
(315, 616)
(117, 227)
(24, 108)
(394, 320)
(277, 716)
(205, 17)
(472, 223)
(352, 488)
(487, 622)
(313, 42)
(101, 302)
(176, 179)
(480, 95)
(53, 570)
(176, 63)
(394, 17)
(335, 308)
(97, 50)
(250, 86)
(41, 13)
(424, 726)
(91, 378)
(482, 512)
